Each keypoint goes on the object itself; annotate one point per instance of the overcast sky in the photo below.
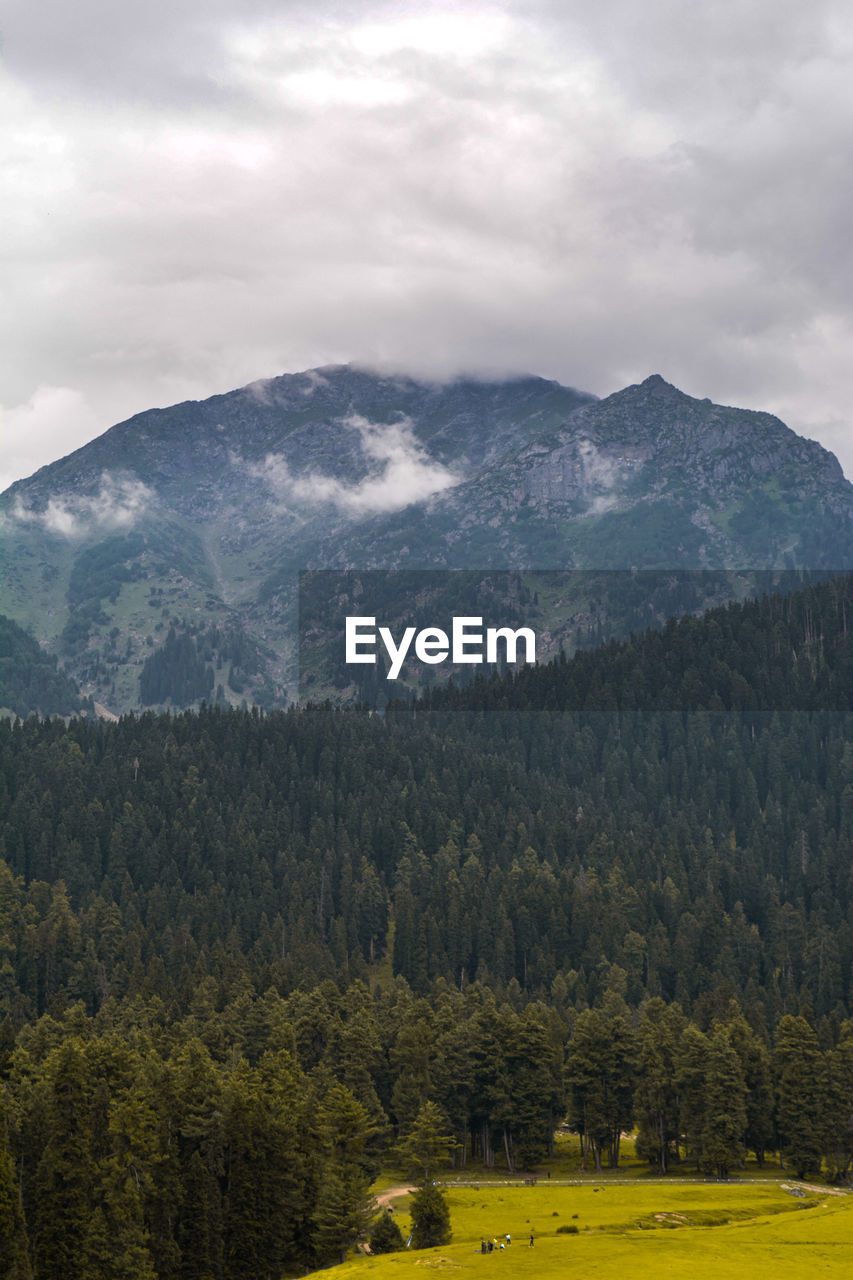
(199, 193)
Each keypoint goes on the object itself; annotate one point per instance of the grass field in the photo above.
(707, 1231)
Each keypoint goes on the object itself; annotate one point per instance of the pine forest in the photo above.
(249, 959)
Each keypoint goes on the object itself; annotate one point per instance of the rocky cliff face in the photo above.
(195, 520)
(652, 440)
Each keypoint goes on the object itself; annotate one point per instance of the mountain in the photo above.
(648, 477)
(161, 560)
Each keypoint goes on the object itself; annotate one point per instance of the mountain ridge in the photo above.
(198, 517)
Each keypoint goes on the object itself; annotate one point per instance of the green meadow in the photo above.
(628, 1231)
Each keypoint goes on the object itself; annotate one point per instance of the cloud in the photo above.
(118, 504)
(203, 194)
(405, 473)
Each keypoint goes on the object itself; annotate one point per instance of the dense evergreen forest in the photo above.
(240, 953)
(30, 679)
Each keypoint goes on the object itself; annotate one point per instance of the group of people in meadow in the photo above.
(490, 1246)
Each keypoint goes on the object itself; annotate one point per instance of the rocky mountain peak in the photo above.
(654, 382)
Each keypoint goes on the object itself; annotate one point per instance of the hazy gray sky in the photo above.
(198, 193)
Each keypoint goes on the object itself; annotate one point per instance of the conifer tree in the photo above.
(690, 1064)
(758, 1077)
(14, 1250)
(196, 1254)
(385, 1234)
(344, 1206)
(724, 1107)
(60, 1206)
(537, 1099)
(427, 1145)
(600, 1078)
(343, 1211)
(656, 1097)
(800, 1085)
(430, 1217)
(839, 1146)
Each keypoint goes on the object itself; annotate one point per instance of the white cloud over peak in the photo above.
(406, 473)
(118, 504)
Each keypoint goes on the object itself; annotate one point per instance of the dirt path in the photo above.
(385, 1197)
